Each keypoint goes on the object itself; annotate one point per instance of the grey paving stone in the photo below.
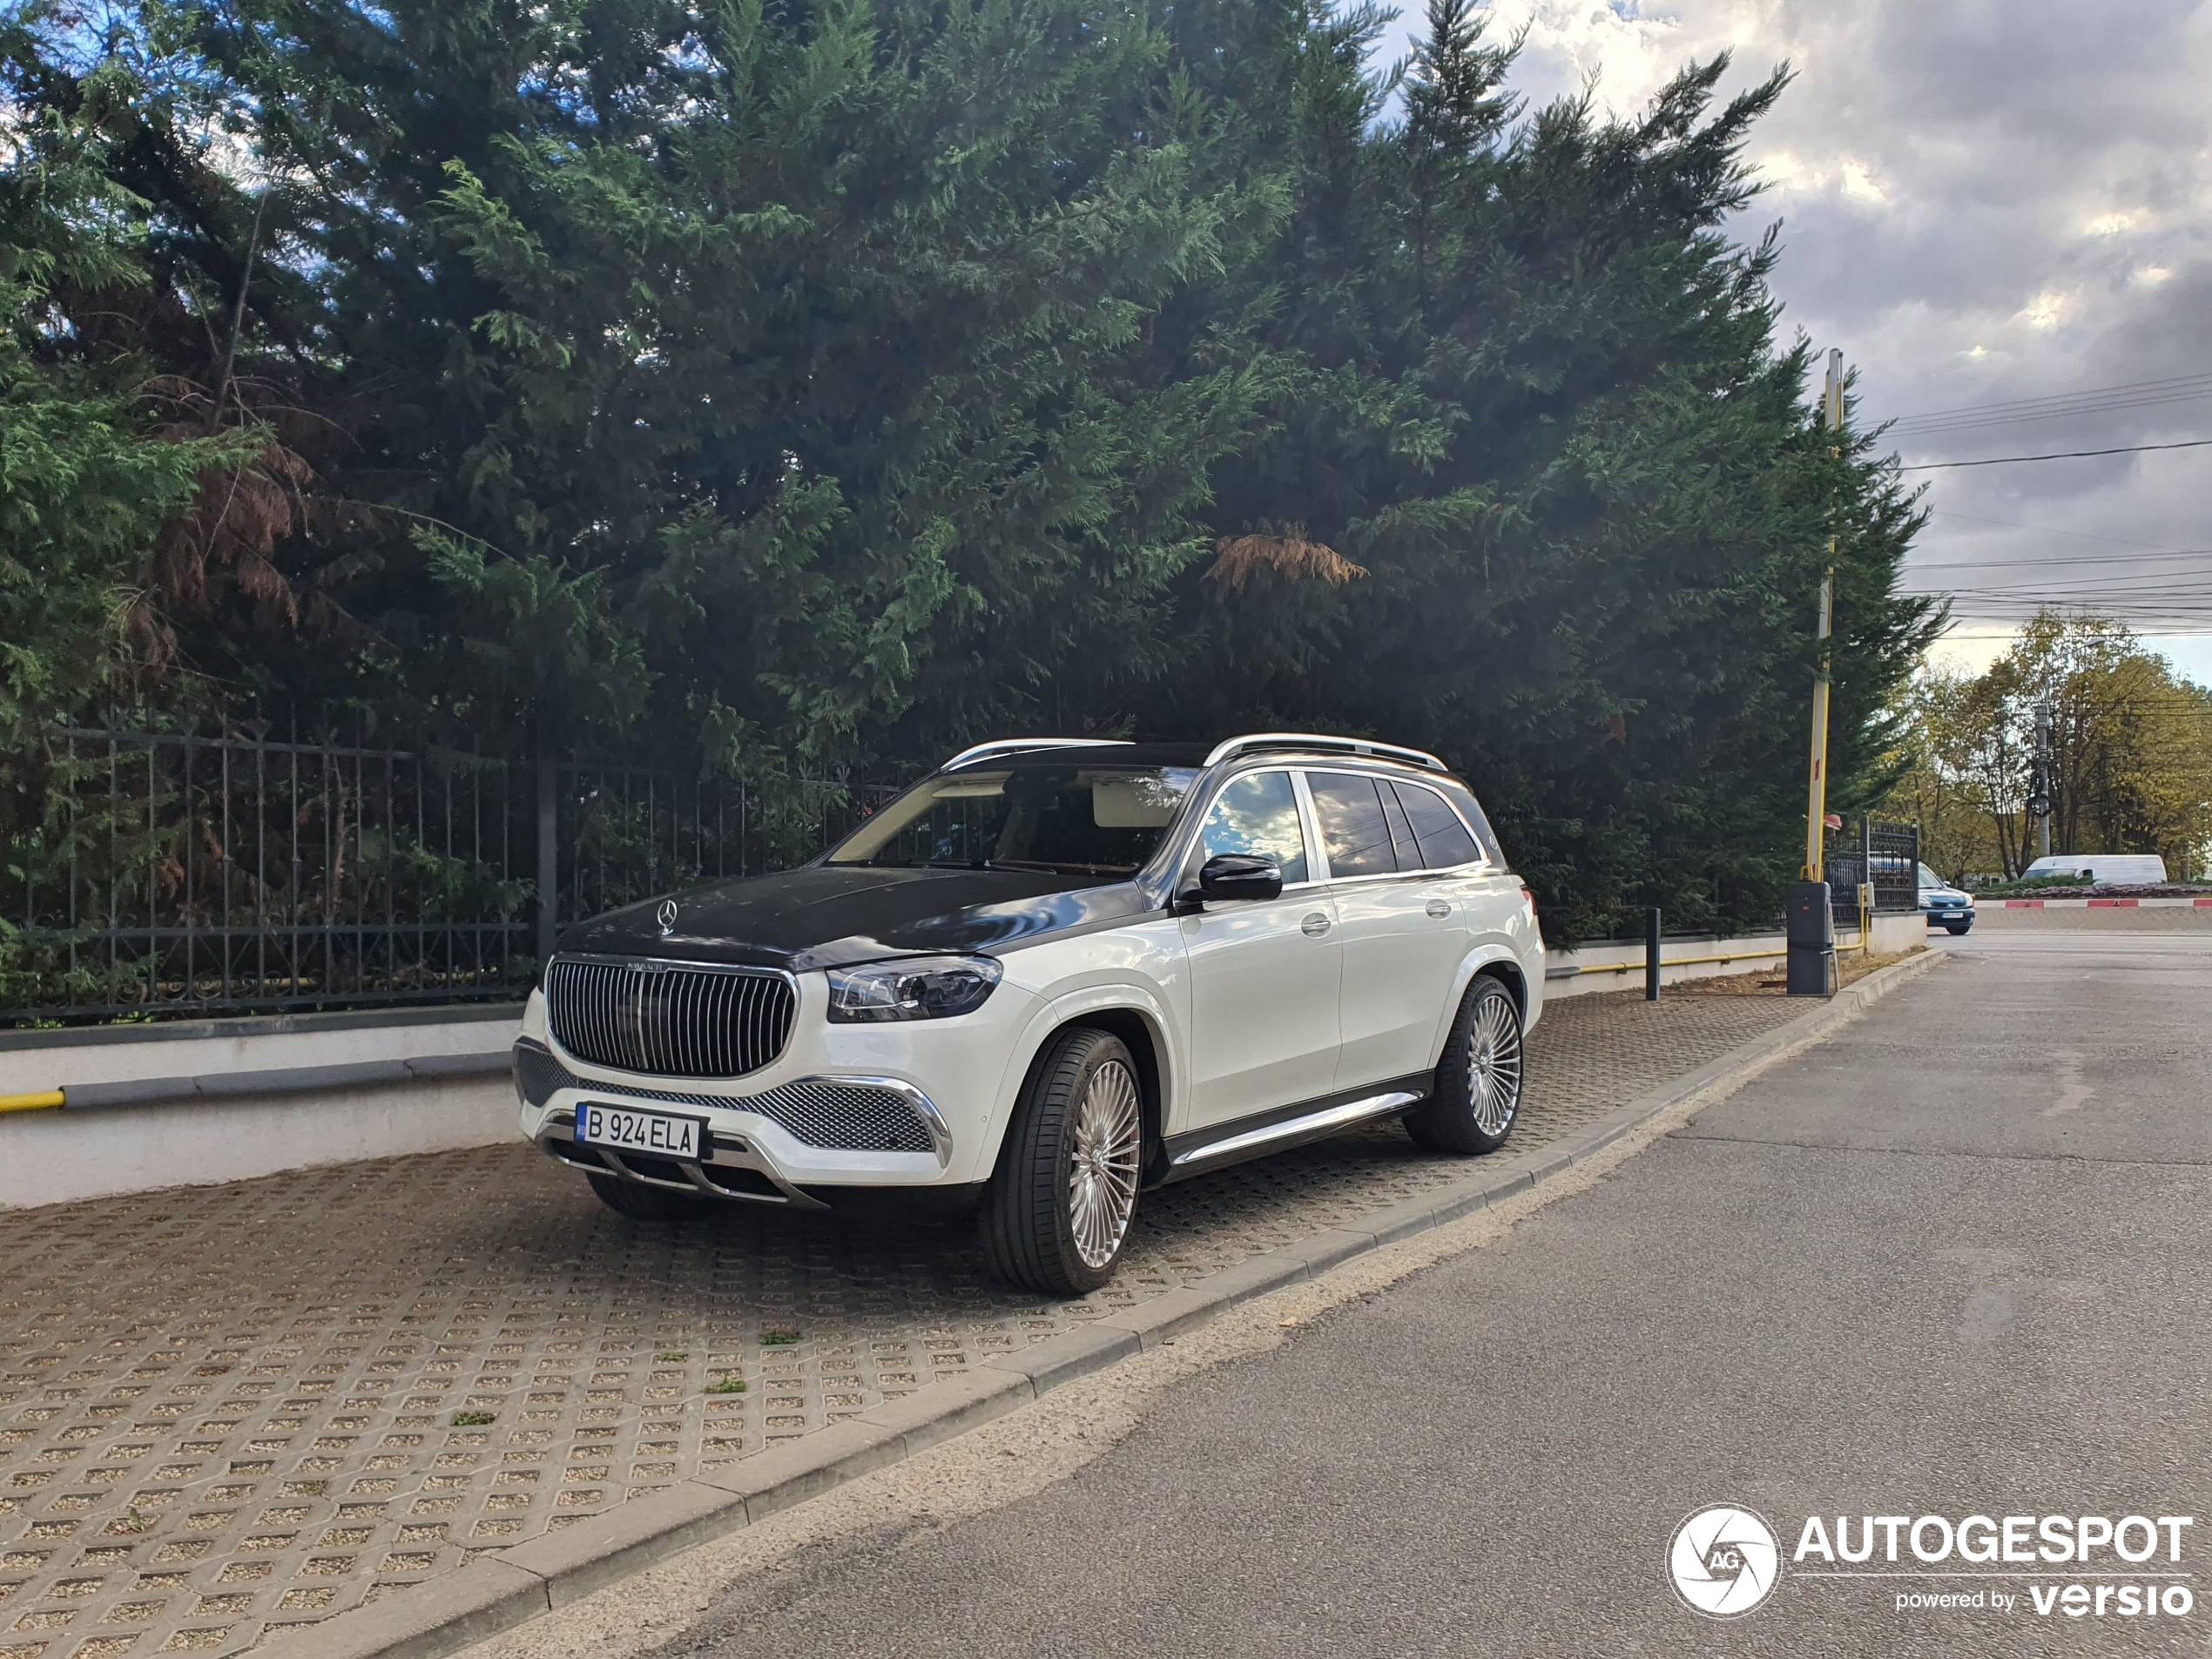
(227, 1411)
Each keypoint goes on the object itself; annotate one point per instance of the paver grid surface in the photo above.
(227, 1411)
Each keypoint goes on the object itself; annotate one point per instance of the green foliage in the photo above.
(85, 481)
(803, 391)
(2131, 752)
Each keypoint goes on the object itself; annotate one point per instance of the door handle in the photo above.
(1314, 926)
(1439, 907)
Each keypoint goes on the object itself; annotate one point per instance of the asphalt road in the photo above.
(1951, 1263)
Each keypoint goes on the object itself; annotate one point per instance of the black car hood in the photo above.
(822, 915)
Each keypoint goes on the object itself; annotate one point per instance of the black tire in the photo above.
(1956, 933)
(1485, 1047)
(1031, 1232)
(642, 1202)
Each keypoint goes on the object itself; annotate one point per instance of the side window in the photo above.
(1352, 827)
(1257, 814)
(1444, 840)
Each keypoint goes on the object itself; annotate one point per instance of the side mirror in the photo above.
(1240, 875)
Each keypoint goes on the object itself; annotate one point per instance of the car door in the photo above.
(1404, 927)
(1264, 972)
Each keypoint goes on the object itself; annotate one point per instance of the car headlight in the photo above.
(919, 988)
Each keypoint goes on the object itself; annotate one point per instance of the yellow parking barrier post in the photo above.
(38, 1102)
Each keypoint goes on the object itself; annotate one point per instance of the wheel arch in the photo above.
(1493, 959)
(1122, 1013)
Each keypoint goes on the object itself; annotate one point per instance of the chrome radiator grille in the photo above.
(669, 1020)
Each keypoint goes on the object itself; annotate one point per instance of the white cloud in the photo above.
(2047, 310)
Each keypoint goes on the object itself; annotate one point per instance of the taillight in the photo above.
(1528, 898)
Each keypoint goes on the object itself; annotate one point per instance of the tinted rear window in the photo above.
(1352, 827)
(1444, 841)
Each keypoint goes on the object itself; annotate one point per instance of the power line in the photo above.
(2063, 454)
(2130, 559)
(2072, 411)
(2090, 400)
(2050, 529)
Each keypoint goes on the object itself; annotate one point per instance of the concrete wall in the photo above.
(60, 1156)
(1619, 967)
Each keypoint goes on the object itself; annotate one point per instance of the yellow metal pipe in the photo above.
(38, 1103)
(1685, 961)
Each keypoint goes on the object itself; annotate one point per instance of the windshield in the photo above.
(1929, 877)
(1090, 821)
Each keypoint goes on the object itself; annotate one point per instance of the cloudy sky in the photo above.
(1983, 203)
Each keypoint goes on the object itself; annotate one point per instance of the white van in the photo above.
(2106, 869)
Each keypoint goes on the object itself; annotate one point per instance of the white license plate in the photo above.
(598, 1124)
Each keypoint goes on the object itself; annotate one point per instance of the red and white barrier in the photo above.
(2105, 904)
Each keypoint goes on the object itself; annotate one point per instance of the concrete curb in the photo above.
(499, 1591)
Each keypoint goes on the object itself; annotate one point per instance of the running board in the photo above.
(1313, 1125)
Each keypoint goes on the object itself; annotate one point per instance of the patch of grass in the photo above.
(727, 1386)
(474, 1420)
(162, 1217)
(669, 1359)
(778, 1339)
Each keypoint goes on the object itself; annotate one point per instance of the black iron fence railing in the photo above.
(145, 873)
(1891, 854)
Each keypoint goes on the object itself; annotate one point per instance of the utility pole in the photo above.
(1817, 792)
(2041, 786)
(1811, 919)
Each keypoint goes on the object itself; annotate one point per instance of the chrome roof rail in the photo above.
(1016, 745)
(1314, 740)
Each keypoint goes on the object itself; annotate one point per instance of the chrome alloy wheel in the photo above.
(1493, 1065)
(1101, 1173)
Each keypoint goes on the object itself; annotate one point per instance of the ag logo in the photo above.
(1723, 1562)
(666, 917)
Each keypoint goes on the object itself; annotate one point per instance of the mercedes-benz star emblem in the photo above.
(666, 915)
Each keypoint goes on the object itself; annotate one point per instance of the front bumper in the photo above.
(825, 1113)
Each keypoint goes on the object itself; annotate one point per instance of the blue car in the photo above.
(1945, 905)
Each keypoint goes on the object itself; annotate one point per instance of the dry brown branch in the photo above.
(1284, 551)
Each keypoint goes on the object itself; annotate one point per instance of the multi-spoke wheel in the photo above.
(1058, 1209)
(1478, 1082)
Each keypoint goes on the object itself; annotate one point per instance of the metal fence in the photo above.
(1892, 853)
(147, 872)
